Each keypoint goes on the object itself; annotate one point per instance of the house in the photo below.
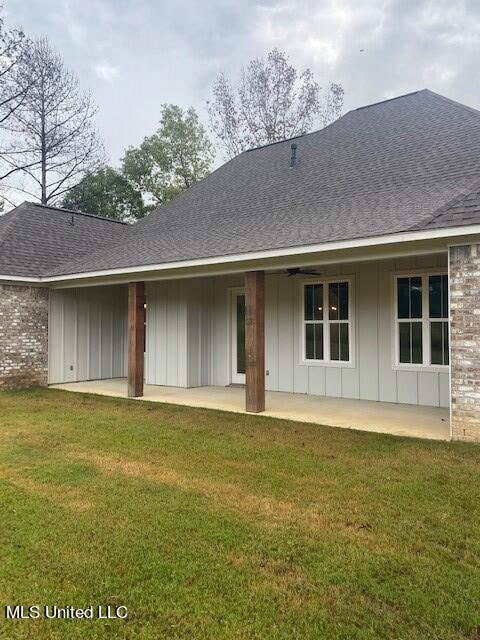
(343, 263)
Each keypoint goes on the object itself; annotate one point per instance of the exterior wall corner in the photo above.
(23, 336)
(464, 287)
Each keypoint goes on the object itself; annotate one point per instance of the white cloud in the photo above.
(321, 32)
(105, 71)
(167, 55)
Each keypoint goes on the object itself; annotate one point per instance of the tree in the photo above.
(53, 139)
(272, 102)
(166, 163)
(13, 44)
(106, 193)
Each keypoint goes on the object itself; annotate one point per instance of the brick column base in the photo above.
(465, 341)
(23, 336)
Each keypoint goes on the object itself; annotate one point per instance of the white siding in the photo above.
(87, 334)
(188, 336)
(179, 332)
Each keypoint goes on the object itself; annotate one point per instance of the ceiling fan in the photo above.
(297, 271)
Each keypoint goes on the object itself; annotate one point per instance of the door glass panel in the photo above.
(240, 334)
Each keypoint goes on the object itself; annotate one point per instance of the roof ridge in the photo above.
(13, 213)
(404, 95)
(446, 206)
(270, 144)
(366, 106)
(80, 213)
(300, 135)
(455, 103)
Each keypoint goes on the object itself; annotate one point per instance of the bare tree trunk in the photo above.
(54, 140)
(43, 198)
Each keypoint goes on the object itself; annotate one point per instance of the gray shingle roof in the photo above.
(412, 162)
(35, 238)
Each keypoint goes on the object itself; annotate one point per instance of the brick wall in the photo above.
(23, 336)
(465, 341)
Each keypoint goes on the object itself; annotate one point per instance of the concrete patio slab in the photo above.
(381, 417)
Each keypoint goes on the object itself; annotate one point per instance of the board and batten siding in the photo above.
(188, 336)
(87, 334)
(178, 337)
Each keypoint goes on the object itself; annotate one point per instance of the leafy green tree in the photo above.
(166, 163)
(106, 193)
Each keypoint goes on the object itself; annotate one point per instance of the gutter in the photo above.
(371, 241)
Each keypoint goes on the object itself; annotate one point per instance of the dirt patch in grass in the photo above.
(61, 496)
(230, 496)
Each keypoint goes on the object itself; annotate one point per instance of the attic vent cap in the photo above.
(293, 156)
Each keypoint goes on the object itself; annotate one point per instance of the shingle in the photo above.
(398, 165)
(34, 238)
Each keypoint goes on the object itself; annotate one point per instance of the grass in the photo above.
(215, 525)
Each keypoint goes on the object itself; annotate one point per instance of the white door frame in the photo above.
(235, 377)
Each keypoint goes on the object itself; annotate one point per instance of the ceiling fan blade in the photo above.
(298, 271)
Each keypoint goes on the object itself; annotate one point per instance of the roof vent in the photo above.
(293, 156)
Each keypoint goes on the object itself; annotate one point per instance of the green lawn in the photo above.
(215, 525)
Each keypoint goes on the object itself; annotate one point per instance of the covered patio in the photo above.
(365, 415)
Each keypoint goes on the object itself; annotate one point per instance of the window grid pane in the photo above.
(344, 342)
(403, 298)
(309, 341)
(404, 342)
(334, 342)
(313, 302)
(445, 296)
(417, 343)
(446, 348)
(308, 301)
(410, 337)
(318, 301)
(416, 297)
(314, 341)
(439, 343)
(333, 301)
(409, 298)
(318, 341)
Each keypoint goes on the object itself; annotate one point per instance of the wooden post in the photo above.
(136, 319)
(255, 340)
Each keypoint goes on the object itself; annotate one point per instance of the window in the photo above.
(438, 317)
(326, 321)
(422, 319)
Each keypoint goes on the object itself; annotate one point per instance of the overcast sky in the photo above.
(135, 55)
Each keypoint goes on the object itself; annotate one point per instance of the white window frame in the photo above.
(327, 362)
(425, 321)
(233, 376)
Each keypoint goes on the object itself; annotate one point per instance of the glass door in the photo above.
(238, 337)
